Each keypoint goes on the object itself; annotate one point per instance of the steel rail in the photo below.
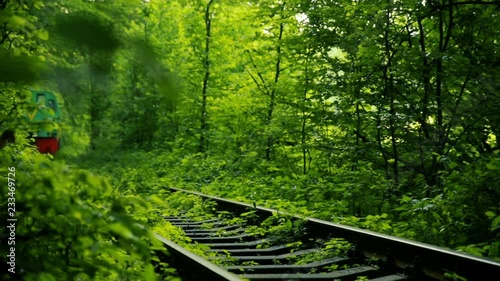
(193, 267)
(416, 258)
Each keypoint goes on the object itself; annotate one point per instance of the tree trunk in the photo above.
(304, 118)
(94, 106)
(204, 116)
(272, 98)
(389, 91)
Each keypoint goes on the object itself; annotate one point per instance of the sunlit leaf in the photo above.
(121, 230)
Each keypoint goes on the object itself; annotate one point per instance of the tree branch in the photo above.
(425, 74)
(451, 4)
(450, 26)
(455, 108)
(258, 73)
(255, 81)
(465, 130)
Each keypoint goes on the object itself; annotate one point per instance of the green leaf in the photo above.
(149, 273)
(121, 230)
(495, 224)
(84, 28)
(252, 154)
(436, 216)
(38, 4)
(155, 199)
(490, 214)
(492, 166)
(20, 68)
(16, 21)
(273, 169)
(43, 34)
(301, 202)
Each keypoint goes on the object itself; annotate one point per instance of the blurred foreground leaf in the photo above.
(88, 29)
(21, 68)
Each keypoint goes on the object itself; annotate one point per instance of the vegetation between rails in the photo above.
(429, 220)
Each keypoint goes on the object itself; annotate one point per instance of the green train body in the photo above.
(45, 119)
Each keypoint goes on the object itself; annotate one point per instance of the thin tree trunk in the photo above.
(389, 91)
(426, 75)
(272, 98)
(426, 80)
(94, 111)
(304, 119)
(204, 124)
(381, 147)
(440, 130)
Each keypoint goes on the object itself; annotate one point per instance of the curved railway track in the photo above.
(371, 255)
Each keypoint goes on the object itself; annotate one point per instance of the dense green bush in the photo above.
(359, 197)
(72, 225)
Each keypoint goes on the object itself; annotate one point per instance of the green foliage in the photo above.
(453, 277)
(20, 68)
(279, 228)
(85, 28)
(373, 115)
(72, 225)
(333, 248)
(435, 220)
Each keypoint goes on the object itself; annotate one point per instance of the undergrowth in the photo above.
(346, 197)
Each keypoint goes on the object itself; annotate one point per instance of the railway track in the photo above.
(317, 250)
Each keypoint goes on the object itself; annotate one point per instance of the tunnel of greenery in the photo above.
(377, 114)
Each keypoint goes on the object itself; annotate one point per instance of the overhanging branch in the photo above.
(455, 4)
